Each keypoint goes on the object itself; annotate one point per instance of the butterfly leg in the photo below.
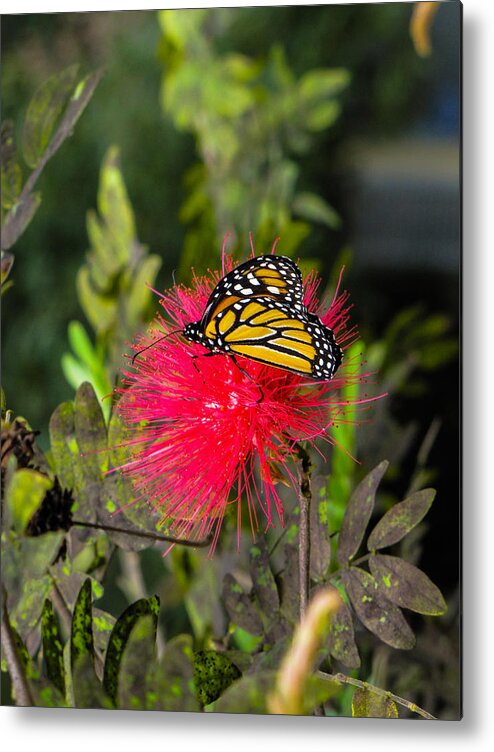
(248, 376)
(204, 355)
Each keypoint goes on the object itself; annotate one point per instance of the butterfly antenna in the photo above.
(165, 336)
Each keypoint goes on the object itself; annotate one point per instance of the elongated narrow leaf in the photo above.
(52, 646)
(369, 704)
(139, 653)
(78, 101)
(342, 645)
(313, 207)
(81, 638)
(213, 673)
(119, 637)
(43, 112)
(400, 519)
(358, 513)
(90, 431)
(64, 445)
(320, 549)
(406, 585)
(10, 169)
(378, 614)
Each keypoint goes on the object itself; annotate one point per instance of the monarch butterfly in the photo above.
(257, 311)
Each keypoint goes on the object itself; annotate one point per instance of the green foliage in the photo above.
(112, 286)
(60, 101)
(213, 673)
(120, 637)
(247, 117)
(368, 704)
(358, 513)
(229, 622)
(52, 646)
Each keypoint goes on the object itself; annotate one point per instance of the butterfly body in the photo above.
(257, 311)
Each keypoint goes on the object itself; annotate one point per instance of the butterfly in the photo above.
(257, 311)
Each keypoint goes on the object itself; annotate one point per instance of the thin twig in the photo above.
(344, 679)
(304, 493)
(20, 684)
(149, 536)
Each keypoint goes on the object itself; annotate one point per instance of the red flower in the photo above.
(206, 432)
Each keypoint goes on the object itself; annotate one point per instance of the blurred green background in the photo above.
(384, 164)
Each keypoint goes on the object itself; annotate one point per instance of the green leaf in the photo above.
(52, 646)
(26, 612)
(400, 519)
(246, 695)
(320, 549)
(81, 636)
(374, 610)
(114, 206)
(342, 645)
(358, 513)
(139, 653)
(314, 208)
(80, 98)
(100, 309)
(120, 636)
(323, 82)
(75, 372)
(43, 112)
(369, 704)
(406, 585)
(64, 447)
(90, 431)
(139, 296)
(35, 555)
(322, 115)
(213, 673)
(25, 494)
(11, 183)
(81, 344)
(240, 608)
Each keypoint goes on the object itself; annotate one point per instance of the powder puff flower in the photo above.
(206, 439)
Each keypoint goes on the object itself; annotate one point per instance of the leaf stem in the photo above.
(304, 493)
(149, 536)
(344, 679)
(22, 690)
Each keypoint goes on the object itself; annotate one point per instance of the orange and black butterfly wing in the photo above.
(276, 335)
(257, 311)
(276, 277)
